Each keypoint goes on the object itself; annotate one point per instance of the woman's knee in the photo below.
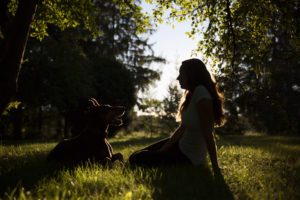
(135, 157)
(141, 157)
(132, 158)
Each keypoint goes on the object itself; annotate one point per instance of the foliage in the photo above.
(170, 106)
(149, 119)
(273, 93)
(64, 14)
(239, 30)
(65, 69)
(120, 40)
(57, 74)
(256, 167)
(171, 101)
(12, 105)
(158, 116)
(253, 47)
(150, 106)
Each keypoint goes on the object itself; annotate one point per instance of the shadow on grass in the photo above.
(139, 141)
(27, 171)
(188, 182)
(25, 174)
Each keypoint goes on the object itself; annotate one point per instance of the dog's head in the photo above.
(106, 114)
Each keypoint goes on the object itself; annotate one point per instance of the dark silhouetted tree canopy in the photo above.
(70, 65)
(254, 49)
(17, 17)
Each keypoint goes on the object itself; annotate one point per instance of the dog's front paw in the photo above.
(106, 162)
(118, 156)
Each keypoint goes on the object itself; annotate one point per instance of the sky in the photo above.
(173, 45)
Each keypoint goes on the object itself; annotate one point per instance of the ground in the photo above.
(255, 167)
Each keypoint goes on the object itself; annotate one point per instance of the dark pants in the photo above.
(149, 156)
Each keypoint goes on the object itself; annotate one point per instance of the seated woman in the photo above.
(200, 110)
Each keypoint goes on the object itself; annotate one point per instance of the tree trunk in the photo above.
(40, 122)
(17, 123)
(3, 14)
(12, 50)
(66, 128)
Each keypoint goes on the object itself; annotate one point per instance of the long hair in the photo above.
(197, 74)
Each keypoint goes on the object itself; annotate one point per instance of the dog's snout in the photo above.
(121, 108)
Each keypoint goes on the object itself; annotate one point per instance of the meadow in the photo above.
(255, 167)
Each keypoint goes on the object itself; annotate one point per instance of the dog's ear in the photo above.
(92, 103)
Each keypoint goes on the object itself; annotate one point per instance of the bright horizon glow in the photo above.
(173, 45)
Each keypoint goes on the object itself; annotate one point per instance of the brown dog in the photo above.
(91, 144)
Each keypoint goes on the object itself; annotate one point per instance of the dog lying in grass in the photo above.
(92, 144)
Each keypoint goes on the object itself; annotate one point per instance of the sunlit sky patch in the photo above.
(173, 45)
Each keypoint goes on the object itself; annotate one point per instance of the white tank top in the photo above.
(192, 142)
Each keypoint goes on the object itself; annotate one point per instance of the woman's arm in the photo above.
(174, 138)
(205, 113)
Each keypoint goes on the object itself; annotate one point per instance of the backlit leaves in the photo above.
(252, 24)
(69, 14)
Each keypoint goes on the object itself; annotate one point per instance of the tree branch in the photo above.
(230, 25)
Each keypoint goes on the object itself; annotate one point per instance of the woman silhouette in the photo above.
(200, 110)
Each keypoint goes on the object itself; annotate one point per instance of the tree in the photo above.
(15, 37)
(249, 43)
(171, 101)
(12, 48)
(120, 40)
(59, 13)
(236, 30)
(159, 115)
(56, 77)
(170, 106)
(68, 67)
(274, 94)
(151, 109)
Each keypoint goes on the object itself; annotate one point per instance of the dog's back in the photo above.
(68, 150)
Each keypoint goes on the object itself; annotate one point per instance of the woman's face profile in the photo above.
(182, 78)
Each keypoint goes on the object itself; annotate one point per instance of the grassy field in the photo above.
(256, 167)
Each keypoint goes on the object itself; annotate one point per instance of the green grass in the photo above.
(256, 167)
